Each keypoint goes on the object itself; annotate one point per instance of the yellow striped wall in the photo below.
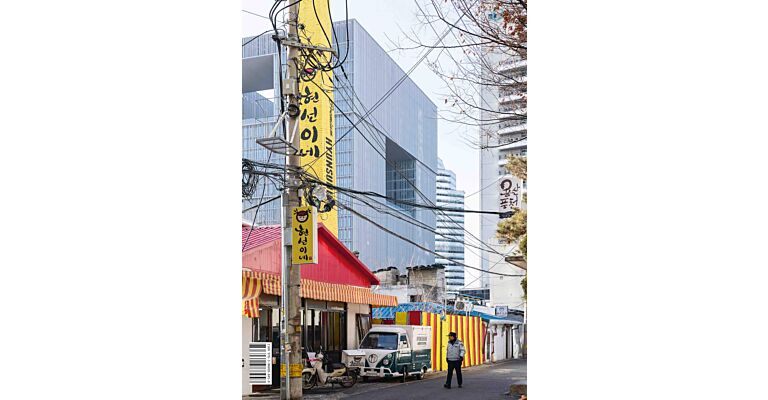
(467, 328)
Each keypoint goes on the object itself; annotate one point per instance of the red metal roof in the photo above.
(336, 262)
(260, 235)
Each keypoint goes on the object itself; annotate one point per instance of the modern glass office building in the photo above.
(449, 242)
(402, 132)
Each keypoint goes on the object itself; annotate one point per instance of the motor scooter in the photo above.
(316, 375)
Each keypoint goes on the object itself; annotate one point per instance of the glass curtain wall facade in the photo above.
(396, 144)
(449, 242)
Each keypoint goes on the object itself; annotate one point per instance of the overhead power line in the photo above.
(405, 202)
(253, 13)
(384, 208)
(376, 105)
(399, 214)
(435, 208)
(431, 205)
(395, 234)
(261, 204)
(256, 37)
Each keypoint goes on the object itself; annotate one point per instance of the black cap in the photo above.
(452, 334)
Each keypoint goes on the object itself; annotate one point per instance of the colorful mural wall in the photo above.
(470, 330)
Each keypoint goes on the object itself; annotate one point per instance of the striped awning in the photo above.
(251, 292)
(311, 289)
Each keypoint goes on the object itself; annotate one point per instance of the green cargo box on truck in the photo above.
(397, 350)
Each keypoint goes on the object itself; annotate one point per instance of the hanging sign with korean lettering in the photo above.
(316, 118)
(304, 235)
(510, 194)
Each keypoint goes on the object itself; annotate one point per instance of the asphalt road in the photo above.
(483, 382)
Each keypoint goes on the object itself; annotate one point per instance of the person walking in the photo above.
(454, 355)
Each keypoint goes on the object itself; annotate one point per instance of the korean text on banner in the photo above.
(316, 118)
(304, 235)
(510, 193)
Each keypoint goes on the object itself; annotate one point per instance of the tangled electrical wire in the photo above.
(311, 190)
(250, 179)
(316, 192)
(275, 173)
(312, 64)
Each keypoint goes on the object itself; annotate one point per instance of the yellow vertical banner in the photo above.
(304, 235)
(316, 104)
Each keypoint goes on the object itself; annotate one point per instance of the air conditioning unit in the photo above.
(460, 305)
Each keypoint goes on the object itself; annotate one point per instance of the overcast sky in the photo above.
(383, 20)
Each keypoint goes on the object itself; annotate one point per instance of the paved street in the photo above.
(484, 382)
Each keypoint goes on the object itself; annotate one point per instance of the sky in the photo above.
(384, 21)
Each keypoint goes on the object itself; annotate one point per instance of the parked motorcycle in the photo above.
(316, 375)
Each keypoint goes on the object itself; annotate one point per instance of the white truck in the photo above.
(397, 350)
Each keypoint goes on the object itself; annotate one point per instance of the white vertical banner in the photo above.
(510, 193)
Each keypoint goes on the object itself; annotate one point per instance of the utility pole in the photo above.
(291, 274)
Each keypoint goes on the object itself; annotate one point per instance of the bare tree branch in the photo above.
(482, 64)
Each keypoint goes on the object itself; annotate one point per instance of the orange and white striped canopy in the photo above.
(311, 289)
(251, 292)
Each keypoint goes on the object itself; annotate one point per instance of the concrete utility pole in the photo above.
(291, 274)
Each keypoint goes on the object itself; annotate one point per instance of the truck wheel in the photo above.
(419, 376)
(405, 373)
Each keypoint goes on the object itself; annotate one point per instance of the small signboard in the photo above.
(304, 235)
(501, 311)
(510, 195)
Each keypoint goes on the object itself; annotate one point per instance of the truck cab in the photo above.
(397, 350)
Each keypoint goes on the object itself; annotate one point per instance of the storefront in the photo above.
(335, 293)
